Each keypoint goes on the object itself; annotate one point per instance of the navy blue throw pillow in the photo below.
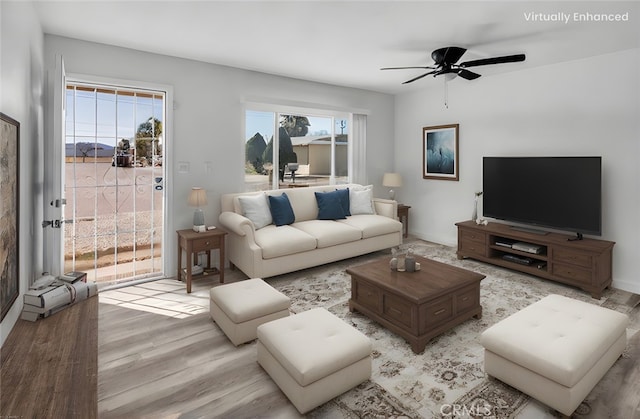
(281, 210)
(329, 206)
(344, 199)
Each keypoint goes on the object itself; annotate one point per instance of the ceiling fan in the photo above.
(445, 63)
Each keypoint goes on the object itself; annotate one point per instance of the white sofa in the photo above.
(265, 251)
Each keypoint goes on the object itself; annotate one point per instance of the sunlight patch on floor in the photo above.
(164, 297)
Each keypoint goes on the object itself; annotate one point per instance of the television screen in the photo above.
(557, 192)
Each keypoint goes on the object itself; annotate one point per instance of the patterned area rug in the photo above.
(446, 380)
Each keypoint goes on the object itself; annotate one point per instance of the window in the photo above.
(285, 150)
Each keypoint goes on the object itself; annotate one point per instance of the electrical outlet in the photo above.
(184, 167)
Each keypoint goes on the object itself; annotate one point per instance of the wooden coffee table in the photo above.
(415, 305)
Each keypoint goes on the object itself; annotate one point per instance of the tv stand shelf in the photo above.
(585, 264)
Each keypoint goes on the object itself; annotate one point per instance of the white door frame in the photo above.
(53, 177)
(54, 167)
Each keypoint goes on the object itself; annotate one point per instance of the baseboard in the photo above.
(444, 240)
(629, 286)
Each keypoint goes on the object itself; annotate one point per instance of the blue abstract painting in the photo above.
(441, 152)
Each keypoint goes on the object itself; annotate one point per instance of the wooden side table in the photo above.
(192, 243)
(403, 215)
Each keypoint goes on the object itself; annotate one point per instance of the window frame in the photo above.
(279, 110)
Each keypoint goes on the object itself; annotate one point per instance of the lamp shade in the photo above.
(197, 197)
(392, 180)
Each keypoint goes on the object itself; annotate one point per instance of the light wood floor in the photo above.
(161, 355)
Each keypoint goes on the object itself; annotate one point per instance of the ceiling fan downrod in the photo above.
(446, 93)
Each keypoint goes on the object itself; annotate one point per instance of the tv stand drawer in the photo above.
(474, 236)
(572, 273)
(572, 257)
(471, 247)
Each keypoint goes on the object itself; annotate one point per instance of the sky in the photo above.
(262, 122)
(105, 117)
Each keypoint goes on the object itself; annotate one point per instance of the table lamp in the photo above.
(198, 198)
(392, 180)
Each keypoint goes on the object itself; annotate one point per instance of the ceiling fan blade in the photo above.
(449, 55)
(495, 60)
(419, 77)
(469, 75)
(408, 68)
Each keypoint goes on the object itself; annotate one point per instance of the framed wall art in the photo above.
(9, 212)
(440, 152)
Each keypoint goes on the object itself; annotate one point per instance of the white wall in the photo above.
(586, 107)
(21, 84)
(208, 124)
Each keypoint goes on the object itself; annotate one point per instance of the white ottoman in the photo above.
(313, 357)
(240, 307)
(555, 350)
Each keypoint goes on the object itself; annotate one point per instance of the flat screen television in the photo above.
(562, 193)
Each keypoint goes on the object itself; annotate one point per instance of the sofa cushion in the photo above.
(373, 225)
(361, 200)
(256, 208)
(330, 206)
(283, 240)
(303, 201)
(329, 233)
(281, 210)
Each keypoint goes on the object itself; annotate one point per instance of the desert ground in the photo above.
(118, 220)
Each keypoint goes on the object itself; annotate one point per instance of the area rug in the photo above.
(447, 379)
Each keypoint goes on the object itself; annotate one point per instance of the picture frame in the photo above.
(10, 212)
(440, 154)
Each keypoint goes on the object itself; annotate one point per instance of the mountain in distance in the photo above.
(89, 150)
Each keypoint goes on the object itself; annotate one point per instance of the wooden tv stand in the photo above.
(585, 263)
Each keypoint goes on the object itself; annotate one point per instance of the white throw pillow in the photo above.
(361, 188)
(256, 208)
(361, 200)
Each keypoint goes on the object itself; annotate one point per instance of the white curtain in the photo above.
(359, 149)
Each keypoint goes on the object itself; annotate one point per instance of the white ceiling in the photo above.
(345, 42)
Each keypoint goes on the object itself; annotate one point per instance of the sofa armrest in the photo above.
(236, 223)
(386, 207)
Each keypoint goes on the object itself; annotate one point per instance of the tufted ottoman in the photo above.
(555, 350)
(313, 357)
(240, 307)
